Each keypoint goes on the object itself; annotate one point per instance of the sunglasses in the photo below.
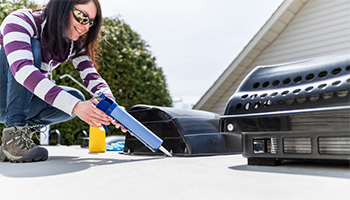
(81, 17)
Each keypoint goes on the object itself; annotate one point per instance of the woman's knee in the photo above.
(77, 94)
(3, 59)
(37, 54)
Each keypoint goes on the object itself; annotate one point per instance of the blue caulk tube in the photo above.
(141, 132)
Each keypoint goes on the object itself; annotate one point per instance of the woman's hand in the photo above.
(117, 125)
(88, 112)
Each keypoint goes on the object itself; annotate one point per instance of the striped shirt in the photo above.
(16, 32)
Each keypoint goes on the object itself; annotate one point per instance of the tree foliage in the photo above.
(125, 62)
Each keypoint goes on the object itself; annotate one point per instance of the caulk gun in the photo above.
(112, 109)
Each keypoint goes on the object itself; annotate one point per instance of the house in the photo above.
(299, 29)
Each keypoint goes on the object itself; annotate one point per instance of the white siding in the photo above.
(321, 27)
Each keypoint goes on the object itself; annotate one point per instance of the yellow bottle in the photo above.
(97, 140)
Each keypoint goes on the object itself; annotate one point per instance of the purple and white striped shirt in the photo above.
(16, 32)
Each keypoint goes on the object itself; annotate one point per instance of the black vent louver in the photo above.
(290, 86)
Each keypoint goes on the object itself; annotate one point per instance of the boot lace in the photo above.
(26, 133)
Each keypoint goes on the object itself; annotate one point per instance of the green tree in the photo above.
(125, 62)
(7, 6)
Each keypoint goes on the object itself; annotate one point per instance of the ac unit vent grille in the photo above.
(297, 145)
(334, 145)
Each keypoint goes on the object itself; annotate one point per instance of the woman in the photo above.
(33, 43)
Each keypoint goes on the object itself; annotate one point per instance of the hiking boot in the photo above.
(19, 147)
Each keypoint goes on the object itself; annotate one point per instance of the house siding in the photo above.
(321, 27)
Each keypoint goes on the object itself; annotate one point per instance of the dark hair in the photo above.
(57, 14)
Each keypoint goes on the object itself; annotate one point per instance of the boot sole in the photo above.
(35, 155)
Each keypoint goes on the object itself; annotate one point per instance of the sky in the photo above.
(193, 41)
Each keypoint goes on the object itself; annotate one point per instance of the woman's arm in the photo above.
(88, 73)
(94, 82)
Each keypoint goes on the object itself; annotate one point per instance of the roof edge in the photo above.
(246, 50)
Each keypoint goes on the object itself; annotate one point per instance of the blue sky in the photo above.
(194, 41)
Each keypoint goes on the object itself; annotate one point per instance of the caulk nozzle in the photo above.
(165, 151)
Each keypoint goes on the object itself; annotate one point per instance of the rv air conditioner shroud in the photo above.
(300, 110)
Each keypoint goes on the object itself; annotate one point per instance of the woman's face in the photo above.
(77, 29)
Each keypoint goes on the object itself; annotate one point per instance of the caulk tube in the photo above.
(142, 133)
